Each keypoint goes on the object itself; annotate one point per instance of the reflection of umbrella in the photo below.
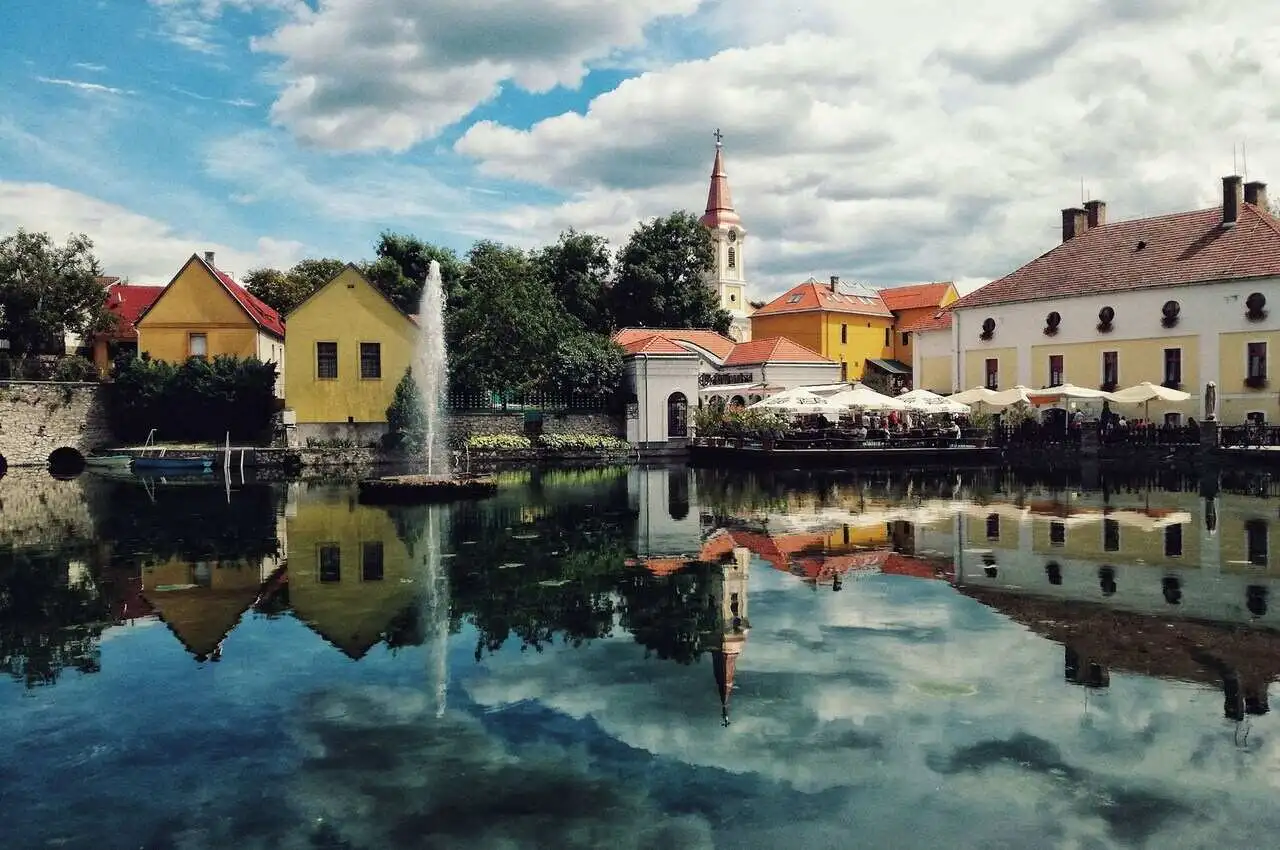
(927, 402)
(865, 398)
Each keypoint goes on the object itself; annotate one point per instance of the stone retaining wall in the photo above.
(37, 509)
(38, 417)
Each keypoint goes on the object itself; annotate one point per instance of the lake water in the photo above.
(640, 658)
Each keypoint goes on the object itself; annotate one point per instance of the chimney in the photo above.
(1255, 192)
(1074, 223)
(208, 257)
(835, 281)
(1096, 213)
(1232, 197)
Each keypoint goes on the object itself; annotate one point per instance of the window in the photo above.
(906, 339)
(844, 371)
(1173, 541)
(993, 526)
(1173, 420)
(1255, 417)
(329, 561)
(1173, 367)
(733, 258)
(1256, 533)
(1058, 533)
(197, 345)
(888, 337)
(371, 361)
(795, 299)
(1111, 368)
(678, 414)
(1257, 361)
(1110, 535)
(844, 334)
(327, 360)
(1055, 370)
(371, 560)
(993, 374)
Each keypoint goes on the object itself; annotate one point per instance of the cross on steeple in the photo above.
(719, 137)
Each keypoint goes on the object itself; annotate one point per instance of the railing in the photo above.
(835, 439)
(517, 402)
(1249, 436)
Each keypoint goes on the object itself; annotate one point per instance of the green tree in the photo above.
(406, 420)
(401, 267)
(660, 278)
(285, 290)
(577, 269)
(585, 364)
(47, 290)
(506, 325)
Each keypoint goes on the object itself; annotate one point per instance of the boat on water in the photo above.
(108, 461)
(162, 463)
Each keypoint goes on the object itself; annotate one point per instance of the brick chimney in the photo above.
(1232, 197)
(208, 257)
(1255, 192)
(835, 281)
(1095, 213)
(1075, 222)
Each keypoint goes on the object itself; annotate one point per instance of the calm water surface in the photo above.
(639, 658)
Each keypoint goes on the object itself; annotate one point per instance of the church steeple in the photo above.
(729, 590)
(720, 212)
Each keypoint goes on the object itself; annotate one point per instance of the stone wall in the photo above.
(37, 509)
(464, 425)
(38, 417)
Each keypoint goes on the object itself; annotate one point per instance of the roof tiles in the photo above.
(916, 296)
(776, 349)
(812, 296)
(715, 344)
(939, 321)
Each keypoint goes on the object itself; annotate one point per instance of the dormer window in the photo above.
(795, 299)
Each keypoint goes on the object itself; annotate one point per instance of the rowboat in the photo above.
(161, 463)
(108, 461)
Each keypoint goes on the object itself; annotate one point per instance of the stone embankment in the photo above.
(36, 418)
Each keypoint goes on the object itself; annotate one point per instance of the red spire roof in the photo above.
(719, 201)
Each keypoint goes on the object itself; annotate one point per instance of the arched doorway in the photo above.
(66, 462)
(738, 401)
(677, 415)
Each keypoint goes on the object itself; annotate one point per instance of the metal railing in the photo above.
(534, 401)
(1249, 436)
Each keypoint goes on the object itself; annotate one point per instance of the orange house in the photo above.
(910, 304)
(126, 302)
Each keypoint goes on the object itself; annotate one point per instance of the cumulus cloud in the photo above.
(194, 24)
(127, 244)
(389, 75)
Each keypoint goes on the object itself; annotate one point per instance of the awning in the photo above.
(893, 367)
(730, 389)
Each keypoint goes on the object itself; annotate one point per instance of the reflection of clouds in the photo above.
(939, 712)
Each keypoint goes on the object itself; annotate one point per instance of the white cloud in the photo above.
(362, 76)
(907, 141)
(194, 24)
(127, 244)
(90, 66)
(79, 85)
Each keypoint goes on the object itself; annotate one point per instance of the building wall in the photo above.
(865, 337)
(347, 311)
(196, 303)
(1212, 314)
(789, 375)
(931, 362)
(653, 380)
(36, 418)
(975, 367)
(804, 328)
(1238, 400)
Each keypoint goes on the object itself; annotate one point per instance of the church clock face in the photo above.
(733, 236)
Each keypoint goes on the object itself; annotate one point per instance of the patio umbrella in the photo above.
(863, 397)
(927, 402)
(1013, 395)
(798, 400)
(977, 395)
(1145, 393)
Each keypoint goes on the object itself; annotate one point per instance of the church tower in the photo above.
(728, 279)
(729, 592)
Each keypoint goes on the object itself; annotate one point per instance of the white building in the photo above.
(668, 370)
(729, 279)
(1180, 300)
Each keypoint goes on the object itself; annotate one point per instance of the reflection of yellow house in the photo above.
(350, 575)
(201, 602)
(349, 346)
(203, 312)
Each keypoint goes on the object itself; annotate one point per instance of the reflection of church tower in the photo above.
(729, 276)
(729, 593)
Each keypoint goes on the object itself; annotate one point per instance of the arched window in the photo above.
(677, 415)
(737, 401)
(733, 258)
(678, 493)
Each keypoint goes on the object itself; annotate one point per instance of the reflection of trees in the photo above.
(47, 624)
(193, 522)
(673, 616)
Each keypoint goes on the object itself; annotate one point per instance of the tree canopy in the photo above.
(401, 266)
(285, 290)
(578, 271)
(660, 279)
(48, 290)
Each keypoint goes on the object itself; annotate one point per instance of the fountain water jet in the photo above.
(431, 367)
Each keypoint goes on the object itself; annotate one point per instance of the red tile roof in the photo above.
(265, 317)
(915, 296)
(1146, 253)
(127, 302)
(777, 349)
(717, 345)
(812, 295)
(655, 345)
(939, 321)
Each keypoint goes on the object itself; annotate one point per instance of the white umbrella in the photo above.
(1147, 391)
(1013, 395)
(863, 397)
(977, 395)
(927, 402)
(1064, 392)
(798, 400)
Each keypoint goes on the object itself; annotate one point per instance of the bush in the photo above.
(75, 369)
(199, 400)
(583, 442)
(498, 442)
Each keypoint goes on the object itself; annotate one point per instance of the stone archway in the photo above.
(66, 462)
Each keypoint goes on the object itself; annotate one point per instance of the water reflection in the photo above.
(643, 655)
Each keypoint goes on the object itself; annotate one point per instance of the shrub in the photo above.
(75, 369)
(406, 420)
(498, 442)
(583, 442)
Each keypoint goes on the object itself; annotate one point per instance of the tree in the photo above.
(577, 270)
(506, 324)
(48, 290)
(406, 420)
(401, 267)
(585, 364)
(661, 275)
(283, 290)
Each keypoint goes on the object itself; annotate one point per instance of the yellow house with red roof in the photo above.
(203, 312)
(911, 304)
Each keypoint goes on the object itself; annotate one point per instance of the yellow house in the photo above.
(912, 304)
(201, 602)
(348, 347)
(203, 312)
(850, 325)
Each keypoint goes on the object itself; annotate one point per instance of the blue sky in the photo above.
(270, 130)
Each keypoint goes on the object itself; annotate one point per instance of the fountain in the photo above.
(431, 372)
